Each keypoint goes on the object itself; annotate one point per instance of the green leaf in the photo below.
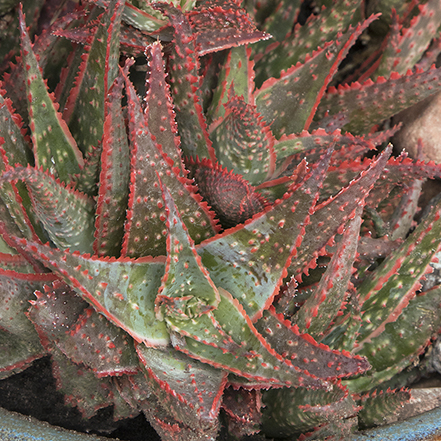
(85, 105)
(250, 260)
(318, 312)
(184, 81)
(289, 103)
(123, 290)
(225, 338)
(190, 390)
(54, 147)
(114, 177)
(385, 293)
(186, 290)
(318, 29)
(371, 103)
(145, 230)
(291, 411)
(67, 215)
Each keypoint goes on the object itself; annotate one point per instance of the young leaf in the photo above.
(243, 142)
(250, 260)
(186, 290)
(114, 177)
(232, 199)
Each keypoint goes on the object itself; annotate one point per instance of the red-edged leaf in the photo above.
(190, 390)
(303, 352)
(130, 305)
(406, 49)
(388, 291)
(401, 342)
(233, 200)
(226, 339)
(83, 335)
(186, 290)
(243, 409)
(318, 29)
(80, 386)
(290, 411)
(219, 26)
(14, 196)
(237, 72)
(19, 343)
(114, 178)
(330, 217)
(290, 102)
(243, 142)
(184, 81)
(85, 105)
(159, 108)
(327, 298)
(67, 215)
(145, 227)
(250, 260)
(371, 103)
(54, 147)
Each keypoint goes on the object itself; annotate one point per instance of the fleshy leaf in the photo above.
(145, 227)
(67, 215)
(402, 53)
(371, 103)
(85, 105)
(377, 406)
(80, 386)
(257, 253)
(238, 72)
(225, 338)
(186, 290)
(319, 28)
(326, 300)
(190, 390)
(385, 294)
(81, 334)
(114, 178)
(302, 351)
(243, 408)
(401, 341)
(221, 25)
(233, 200)
(291, 411)
(290, 102)
(54, 147)
(14, 196)
(279, 24)
(331, 215)
(184, 86)
(159, 108)
(16, 352)
(243, 142)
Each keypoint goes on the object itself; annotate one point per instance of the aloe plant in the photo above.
(225, 244)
